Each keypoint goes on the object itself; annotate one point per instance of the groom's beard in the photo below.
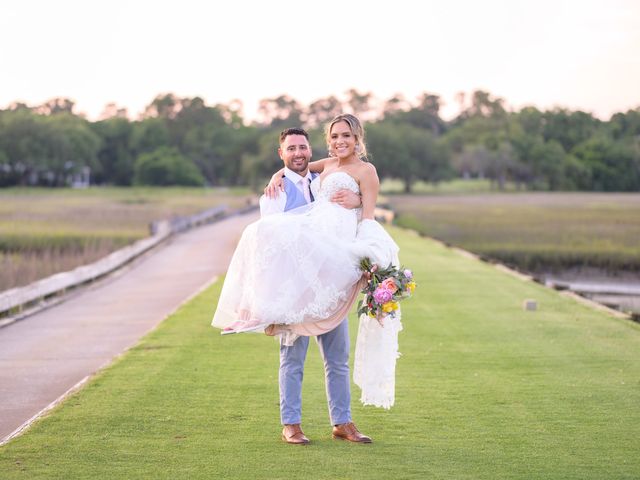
(299, 165)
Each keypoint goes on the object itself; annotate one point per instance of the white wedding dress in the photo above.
(301, 269)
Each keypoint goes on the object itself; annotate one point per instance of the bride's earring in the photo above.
(331, 154)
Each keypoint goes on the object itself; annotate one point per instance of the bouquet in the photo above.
(384, 290)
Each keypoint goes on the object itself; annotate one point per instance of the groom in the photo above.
(295, 152)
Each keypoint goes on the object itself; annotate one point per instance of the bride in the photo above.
(297, 273)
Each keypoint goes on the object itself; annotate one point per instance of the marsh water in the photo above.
(620, 290)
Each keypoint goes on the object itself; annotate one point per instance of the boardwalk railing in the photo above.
(16, 300)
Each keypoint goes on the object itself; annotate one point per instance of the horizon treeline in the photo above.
(183, 141)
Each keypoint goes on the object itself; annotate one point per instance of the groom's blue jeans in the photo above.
(334, 348)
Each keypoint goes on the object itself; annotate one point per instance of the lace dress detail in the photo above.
(333, 183)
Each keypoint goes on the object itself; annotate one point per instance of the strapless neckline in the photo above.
(321, 180)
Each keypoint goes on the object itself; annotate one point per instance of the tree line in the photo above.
(184, 141)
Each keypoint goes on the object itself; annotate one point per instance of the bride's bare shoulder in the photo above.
(367, 171)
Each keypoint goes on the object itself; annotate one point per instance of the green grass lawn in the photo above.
(484, 390)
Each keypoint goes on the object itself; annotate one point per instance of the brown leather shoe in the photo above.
(293, 434)
(348, 431)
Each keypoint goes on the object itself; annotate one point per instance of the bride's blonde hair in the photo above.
(356, 129)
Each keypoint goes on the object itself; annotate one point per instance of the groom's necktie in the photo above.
(306, 191)
(309, 187)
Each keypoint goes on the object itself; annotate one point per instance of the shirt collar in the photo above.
(294, 177)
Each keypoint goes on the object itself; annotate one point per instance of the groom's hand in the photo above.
(347, 199)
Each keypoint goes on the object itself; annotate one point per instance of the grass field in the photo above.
(44, 231)
(534, 231)
(456, 186)
(484, 390)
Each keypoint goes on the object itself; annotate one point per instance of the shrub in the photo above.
(166, 166)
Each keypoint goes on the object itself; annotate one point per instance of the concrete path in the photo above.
(45, 355)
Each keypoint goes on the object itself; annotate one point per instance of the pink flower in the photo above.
(382, 295)
(390, 285)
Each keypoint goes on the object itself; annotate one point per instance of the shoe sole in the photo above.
(336, 437)
(294, 443)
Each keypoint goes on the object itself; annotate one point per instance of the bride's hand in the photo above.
(275, 186)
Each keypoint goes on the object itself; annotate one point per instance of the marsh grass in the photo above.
(533, 231)
(20, 268)
(456, 186)
(485, 390)
(44, 231)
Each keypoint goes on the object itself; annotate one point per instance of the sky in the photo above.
(577, 54)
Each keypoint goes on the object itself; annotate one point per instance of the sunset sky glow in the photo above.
(579, 54)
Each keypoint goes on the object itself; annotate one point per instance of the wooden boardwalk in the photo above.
(45, 355)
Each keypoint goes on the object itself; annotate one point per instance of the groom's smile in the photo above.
(300, 162)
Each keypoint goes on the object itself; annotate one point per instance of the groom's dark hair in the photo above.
(292, 131)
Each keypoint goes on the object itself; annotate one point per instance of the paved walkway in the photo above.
(44, 355)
